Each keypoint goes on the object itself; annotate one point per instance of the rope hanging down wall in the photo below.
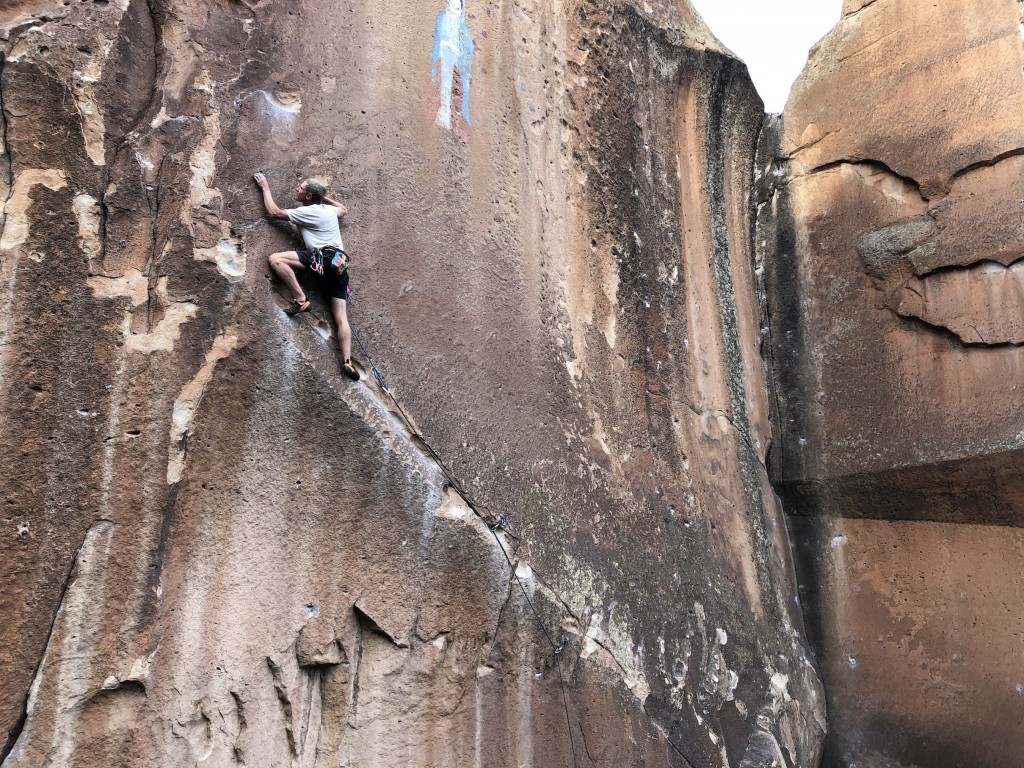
(494, 525)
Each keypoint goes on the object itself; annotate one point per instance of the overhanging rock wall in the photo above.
(894, 241)
(216, 551)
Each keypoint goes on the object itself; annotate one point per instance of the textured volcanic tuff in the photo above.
(216, 550)
(896, 318)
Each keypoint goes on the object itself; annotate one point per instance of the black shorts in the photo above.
(334, 285)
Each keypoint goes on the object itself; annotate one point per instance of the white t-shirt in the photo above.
(318, 225)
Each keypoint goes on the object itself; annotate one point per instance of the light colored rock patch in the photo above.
(14, 214)
(137, 673)
(610, 288)
(524, 572)
(182, 53)
(575, 372)
(16, 226)
(784, 710)
(719, 676)
(983, 304)
(614, 647)
(161, 118)
(228, 254)
(165, 333)
(133, 285)
(148, 167)
(87, 211)
(717, 680)
(204, 159)
(93, 123)
(187, 402)
(26, 26)
(454, 508)
(68, 673)
(284, 100)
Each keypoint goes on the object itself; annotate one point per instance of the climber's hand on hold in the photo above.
(273, 210)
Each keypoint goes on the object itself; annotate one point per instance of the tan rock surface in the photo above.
(892, 239)
(219, 552)
(933, 73)
(928, 637)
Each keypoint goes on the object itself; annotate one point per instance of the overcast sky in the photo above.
(771, 36)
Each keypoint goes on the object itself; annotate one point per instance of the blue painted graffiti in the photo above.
(453, 50)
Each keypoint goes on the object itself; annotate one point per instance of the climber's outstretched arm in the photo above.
(273, 211)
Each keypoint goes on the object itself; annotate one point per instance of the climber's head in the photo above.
(310, 192)
(455, 6)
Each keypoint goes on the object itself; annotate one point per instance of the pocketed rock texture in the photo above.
(217, 551)
(891, 220)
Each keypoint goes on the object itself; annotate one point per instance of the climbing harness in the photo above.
(326, 259)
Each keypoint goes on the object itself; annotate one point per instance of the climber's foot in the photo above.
(350, 370)
(296, 307)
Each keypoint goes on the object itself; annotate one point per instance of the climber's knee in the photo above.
(285, 259)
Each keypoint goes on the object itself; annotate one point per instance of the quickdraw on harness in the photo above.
(328, 261)
(328, 258)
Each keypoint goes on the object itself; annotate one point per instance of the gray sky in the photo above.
(771, 36)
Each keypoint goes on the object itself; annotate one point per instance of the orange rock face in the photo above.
(218, 551)
(895, 306)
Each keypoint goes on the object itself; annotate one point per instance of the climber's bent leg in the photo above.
(284, 264)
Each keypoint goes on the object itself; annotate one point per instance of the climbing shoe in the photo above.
(296, 307)
(350, 370)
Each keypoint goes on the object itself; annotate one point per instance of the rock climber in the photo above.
(317, 219)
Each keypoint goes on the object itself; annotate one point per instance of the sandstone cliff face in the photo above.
(894, 282)
(216, 551)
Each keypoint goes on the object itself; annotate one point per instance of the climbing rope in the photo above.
(493, 525)
(498, 524)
